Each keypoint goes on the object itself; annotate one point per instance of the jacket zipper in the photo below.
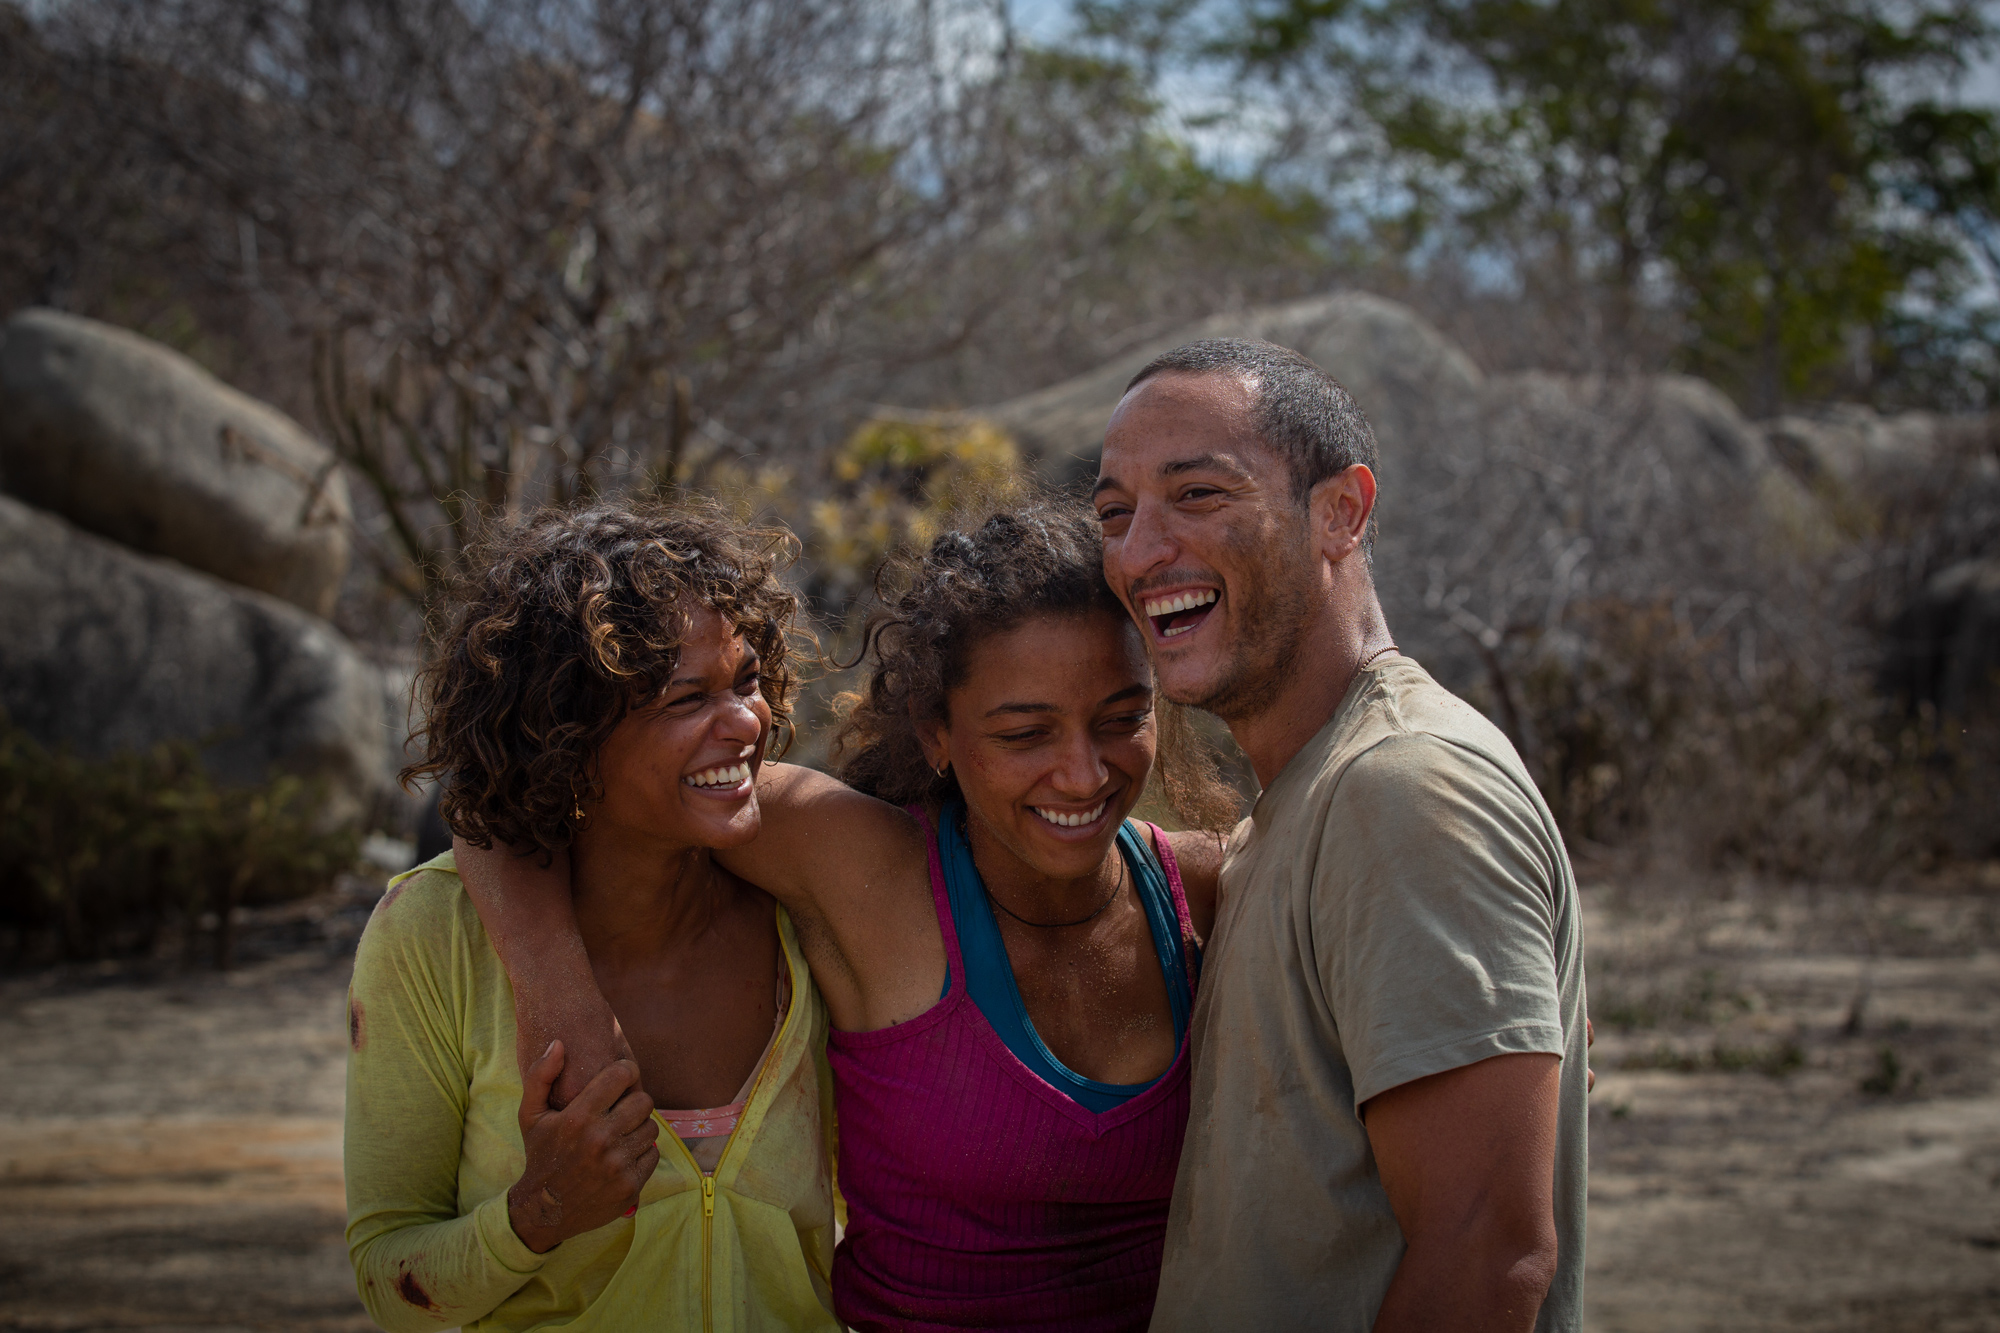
(708, 1179)
(707, 1254)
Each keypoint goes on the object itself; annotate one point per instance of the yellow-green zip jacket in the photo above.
(434, 1143)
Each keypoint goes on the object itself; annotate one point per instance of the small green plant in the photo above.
(1696, 1000)
(1774, 1061)
(1888, 1075)
(98, 856)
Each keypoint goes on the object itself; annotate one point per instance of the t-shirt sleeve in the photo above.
(418, 1264)
(1433, 914)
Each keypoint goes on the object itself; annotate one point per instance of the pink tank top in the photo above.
(978, 1196)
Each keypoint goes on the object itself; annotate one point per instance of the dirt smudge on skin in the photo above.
(412, 1291)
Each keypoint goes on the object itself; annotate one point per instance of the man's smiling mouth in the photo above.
(1177, 613)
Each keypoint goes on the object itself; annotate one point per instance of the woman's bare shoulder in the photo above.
(855, 875)
(822, 843)
(795, 795)
(1199, 853)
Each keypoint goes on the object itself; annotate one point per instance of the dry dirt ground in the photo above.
(1796, 1123)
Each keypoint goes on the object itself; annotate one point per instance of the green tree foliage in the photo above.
(1785, 179)
(1137, 198)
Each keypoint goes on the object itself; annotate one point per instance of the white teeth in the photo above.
(1071, 821)
(1185, 601)
(726, 776)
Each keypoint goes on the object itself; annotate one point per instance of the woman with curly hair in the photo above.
(604, 687)
(1009, 961)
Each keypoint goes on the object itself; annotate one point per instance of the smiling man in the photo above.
(1389, 1041)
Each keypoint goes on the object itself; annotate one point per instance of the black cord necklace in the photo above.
(1060, 925)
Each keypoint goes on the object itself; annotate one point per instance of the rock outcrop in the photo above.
(1944, 650)
(102, 650)
(1410, 379)
(1847, 445)
(1506, 497)
(129, 440)
(1421, 392)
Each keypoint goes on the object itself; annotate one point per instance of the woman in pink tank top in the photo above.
(1008, 960)
(981, 1195)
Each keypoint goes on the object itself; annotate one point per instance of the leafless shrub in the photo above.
(536, 249)
(1682, 639)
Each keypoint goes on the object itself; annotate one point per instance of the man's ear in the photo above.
(1341, 507)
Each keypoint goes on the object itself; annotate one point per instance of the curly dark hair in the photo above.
(1041, 558)
(558, 629)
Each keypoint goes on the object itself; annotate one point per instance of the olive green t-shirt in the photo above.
(1398, 904)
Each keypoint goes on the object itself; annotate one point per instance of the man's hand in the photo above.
(1467, 1158)
(587, 1162)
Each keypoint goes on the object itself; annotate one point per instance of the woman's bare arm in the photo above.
(851, 870)
(526, 909)
(855, 874)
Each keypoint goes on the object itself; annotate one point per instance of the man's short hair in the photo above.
(1302, 413)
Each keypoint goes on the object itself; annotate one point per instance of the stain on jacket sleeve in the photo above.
(412, 1291)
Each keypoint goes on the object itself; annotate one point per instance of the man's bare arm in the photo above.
(1467, 1159)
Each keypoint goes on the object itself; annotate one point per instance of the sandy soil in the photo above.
(1797, 1116)
(170, 1144)
(1796, 1124)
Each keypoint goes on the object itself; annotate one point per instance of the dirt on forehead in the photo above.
(1796, 1122)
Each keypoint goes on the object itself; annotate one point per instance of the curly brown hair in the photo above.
(1041, 558)
(558, 629)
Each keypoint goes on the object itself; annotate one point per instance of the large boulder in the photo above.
(1944, 650)
(1409, 378)
(104, 650)
(135, 442)
(1637, 443)
(1503, 498)
(1850, 446)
